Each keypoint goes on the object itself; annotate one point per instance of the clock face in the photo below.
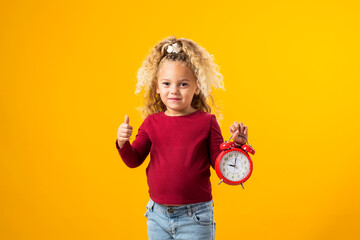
(234, 166)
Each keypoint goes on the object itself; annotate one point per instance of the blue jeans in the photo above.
(192, 221)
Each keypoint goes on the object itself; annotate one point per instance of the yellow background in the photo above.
(68, 75)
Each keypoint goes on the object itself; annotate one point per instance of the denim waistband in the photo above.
(178, 210)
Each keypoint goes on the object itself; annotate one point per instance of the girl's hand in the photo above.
(237, 130)
(124, 132)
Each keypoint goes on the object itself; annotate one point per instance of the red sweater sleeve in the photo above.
(134, 154)
(215, 140)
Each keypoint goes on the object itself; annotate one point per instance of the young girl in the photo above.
(182, 137)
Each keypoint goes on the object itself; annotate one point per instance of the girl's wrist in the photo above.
(120, 143)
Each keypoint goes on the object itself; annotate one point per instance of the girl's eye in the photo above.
(166, 83)
(183, 84)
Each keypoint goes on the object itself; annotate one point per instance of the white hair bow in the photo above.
(174, 48)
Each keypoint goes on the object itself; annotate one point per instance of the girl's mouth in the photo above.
(174, 99)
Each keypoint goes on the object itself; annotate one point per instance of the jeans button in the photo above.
(170, 210)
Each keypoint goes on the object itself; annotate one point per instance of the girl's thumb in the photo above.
(126, 119)
(236, 133)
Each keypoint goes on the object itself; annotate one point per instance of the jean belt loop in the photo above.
(151, 206)
(189, 210)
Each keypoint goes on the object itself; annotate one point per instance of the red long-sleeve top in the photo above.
(182, 149)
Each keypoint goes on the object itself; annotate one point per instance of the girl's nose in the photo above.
(174, 89)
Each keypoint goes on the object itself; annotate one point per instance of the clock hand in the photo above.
(235, 164)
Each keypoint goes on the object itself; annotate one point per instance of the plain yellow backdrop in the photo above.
(68, 76)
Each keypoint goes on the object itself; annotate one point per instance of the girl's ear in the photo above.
(157, 88)
(197, 91)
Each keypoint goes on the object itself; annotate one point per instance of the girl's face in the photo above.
(176, 85)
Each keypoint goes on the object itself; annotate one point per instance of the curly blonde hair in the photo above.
(192, 55)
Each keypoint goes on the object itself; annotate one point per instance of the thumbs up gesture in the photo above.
(124, 132)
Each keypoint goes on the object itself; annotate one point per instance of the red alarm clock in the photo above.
(234, 165)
